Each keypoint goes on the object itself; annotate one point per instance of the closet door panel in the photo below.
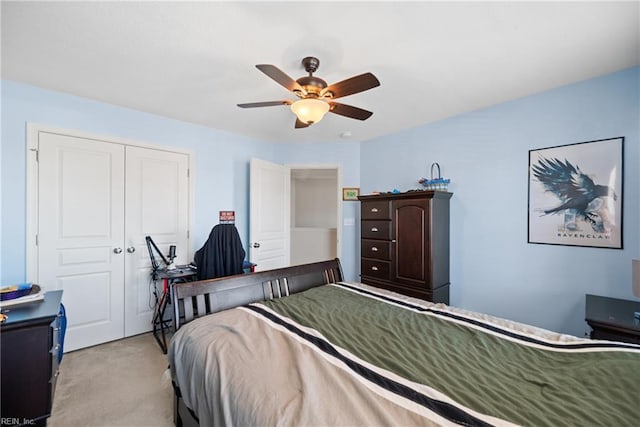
(81, 234)
(96, 201)
(157, 205)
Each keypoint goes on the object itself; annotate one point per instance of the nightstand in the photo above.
(612, 319)
(29, 353)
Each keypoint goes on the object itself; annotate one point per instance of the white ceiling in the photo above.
(194, 61)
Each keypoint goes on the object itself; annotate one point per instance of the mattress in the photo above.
(350, 354)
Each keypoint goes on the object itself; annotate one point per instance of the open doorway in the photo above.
(315, 213)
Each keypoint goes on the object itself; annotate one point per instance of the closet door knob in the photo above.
(131, 249)
(117, 251)
(255, 245)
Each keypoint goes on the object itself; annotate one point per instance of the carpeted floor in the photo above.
(120, 383)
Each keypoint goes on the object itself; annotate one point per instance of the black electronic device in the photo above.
(172, 254)
(168, 263)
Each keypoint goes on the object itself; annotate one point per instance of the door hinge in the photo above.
(36, 240)
(188, 173)
(37, 153)
(188, 234)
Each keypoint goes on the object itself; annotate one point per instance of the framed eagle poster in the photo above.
(575, 194)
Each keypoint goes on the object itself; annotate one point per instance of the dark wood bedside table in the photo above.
(29, 361)
(612, 319)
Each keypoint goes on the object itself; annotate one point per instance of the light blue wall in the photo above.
(221, 161)
(485, 153)
(493, 269)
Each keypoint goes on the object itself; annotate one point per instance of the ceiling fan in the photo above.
(316, 97)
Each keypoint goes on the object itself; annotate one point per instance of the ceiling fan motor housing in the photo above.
(312, 85)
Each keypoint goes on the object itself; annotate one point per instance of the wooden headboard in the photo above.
(202, 297)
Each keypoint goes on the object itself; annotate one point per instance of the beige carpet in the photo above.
(120, 383)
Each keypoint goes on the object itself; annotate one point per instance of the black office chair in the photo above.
(222, 254)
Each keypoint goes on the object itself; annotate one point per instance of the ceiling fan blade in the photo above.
(352, 85)
(349, 111)
(263, 104)
(301, 124)
(281, 77)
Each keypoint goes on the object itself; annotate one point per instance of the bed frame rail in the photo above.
(196, 299)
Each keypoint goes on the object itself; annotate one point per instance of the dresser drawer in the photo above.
(375, 230)
(374, 268)
(378, 209)
(376, 249)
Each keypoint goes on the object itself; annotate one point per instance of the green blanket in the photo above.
(507, 376)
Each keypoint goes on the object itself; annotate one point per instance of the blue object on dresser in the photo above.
(63, 330)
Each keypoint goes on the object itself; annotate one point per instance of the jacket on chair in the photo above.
(222, 254)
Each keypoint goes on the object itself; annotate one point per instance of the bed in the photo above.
(299, 346)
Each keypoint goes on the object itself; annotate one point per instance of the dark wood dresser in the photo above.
(405, 243)
(29, 345)
(612, 319)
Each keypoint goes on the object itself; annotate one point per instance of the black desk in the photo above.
(612, 319)
(168, 277)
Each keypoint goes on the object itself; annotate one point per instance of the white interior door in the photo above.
(157, 205)
(81, 234)
(269, 223)
(96, 202)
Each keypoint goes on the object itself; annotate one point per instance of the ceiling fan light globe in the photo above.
(310, 110)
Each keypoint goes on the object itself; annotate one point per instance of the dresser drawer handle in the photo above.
(374, 268)
(374, 249)
(374, 210)
(374, 229)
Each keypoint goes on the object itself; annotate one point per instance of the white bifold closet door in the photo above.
(97, 200)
